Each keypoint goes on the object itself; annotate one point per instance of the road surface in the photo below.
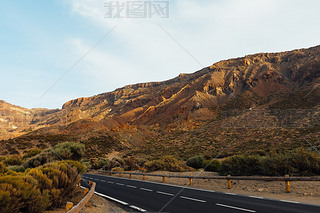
(144, 196)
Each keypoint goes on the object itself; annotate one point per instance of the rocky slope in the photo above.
(276, 92)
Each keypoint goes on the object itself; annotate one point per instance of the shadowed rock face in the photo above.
(256, 80)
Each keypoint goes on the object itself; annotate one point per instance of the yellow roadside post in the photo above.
(287, 183)
(190, 181)
(79, 183)
(90, 183)
(163, 179)
(144, 177)
(130, 176)
(110, 173)
(120, 175)
(85, 191)
(229, 182)
(69, 206)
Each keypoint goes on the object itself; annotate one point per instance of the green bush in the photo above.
(40, 159)
(17, 168)
(69, 150)
(167, 163)
(31, 152)
(211, 165)
(195, 162)
(13, 160)
(102, 163)
(241, 165)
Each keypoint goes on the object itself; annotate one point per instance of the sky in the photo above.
(55, 51)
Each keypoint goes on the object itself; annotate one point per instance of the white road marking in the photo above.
(149, 190)
(120, 184)
(131, 186)
(164, 193)
(256, 197)
(110, 182)
(189, 198)
(229, 193)
(288, 201)
(111, 198)
(233, 207)
(137, 208)
(103, 181)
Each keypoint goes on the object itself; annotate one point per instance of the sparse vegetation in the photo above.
(195, 162)
(167, 163)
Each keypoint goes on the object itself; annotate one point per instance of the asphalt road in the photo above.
(147, 196)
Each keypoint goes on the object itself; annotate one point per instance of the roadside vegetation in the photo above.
(39, 180)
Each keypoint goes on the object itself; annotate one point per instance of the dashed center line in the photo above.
(149, 190)
(110, 182)
(103, 181)
(165, 193)
(233, 207)
(189, 198)
(131, 186)
(120, 184)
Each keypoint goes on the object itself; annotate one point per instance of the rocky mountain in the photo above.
(266, 90)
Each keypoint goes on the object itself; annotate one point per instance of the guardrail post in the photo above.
(104, 173)
(144, 177)
(287, 183)
(92, 171)
(90, 183)
(163, 179)
(190, 181)
(120, 175)
(79, 184)
(69, 206)
(229, 182)
(130, 176)
(110, 173)
(85, 191)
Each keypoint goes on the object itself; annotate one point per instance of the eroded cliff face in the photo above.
(255, 80)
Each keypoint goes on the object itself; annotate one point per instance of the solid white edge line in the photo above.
(256, 197)
(137, 208)
(144, 189)
(189, 198)
(289, 201)
(233, 207)
(159, 192)
(111, 198)
(121, 202)
(227, 193)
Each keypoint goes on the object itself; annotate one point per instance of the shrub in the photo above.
(3, 168)
(70, 150)
(40, 159)
(12, 160)
(17, 168)
(102, 163)
(211, 165)
(167, 163)
(21, 194)
(117, 169)
(241, 165)
(31, 152)
(195, 162)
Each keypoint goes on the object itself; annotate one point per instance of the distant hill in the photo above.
(261, 101)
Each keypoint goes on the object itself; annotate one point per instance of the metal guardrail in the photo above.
(263, 178)
(286, 178)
